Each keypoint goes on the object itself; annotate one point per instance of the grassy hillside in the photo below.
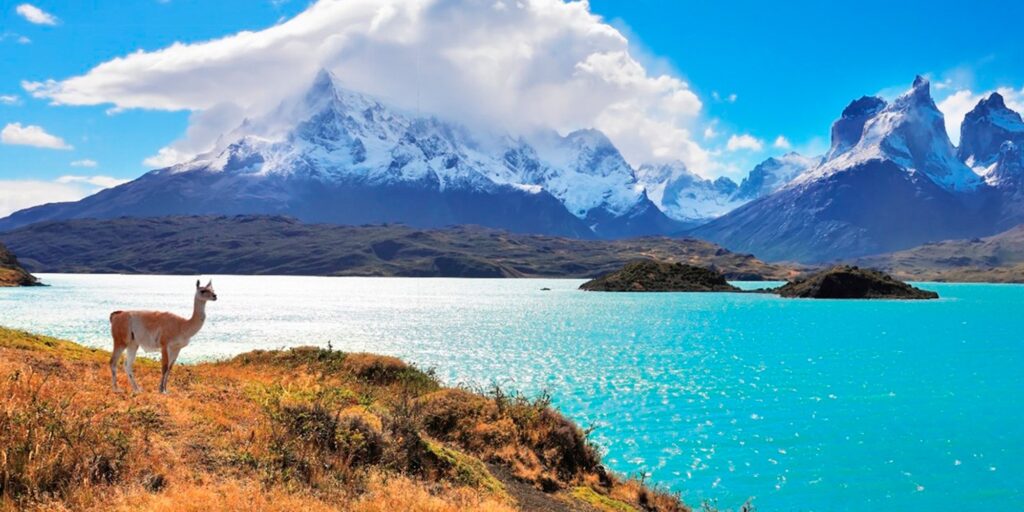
(998, 259)
(11, 272)
(278, 245)
(304, 429)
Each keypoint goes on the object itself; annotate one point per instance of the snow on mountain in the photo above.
(685, 196)
(773, 174)
(983, 133)
(586, 172)
(345, 134)
(908, 132)
(848, 129)
(1008, 169)
(891, 180)
(334, 155)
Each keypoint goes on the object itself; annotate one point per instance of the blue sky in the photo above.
(758, 71)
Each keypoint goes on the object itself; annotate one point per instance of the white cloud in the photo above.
(166, 157)
(731, 98)
(18, 38)
(36, 15)
(955, 106)
(30, 135)
(9, 99)
(19, 194)
(532, 64)
(782, 142)
(709, 132)
(744, 141)
(95, 181)
(84, 163)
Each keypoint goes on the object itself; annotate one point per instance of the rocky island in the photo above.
(850, 282)
(11, 273)
(655, 276)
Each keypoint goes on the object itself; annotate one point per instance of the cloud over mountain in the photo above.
(516, 65)
(18, 194)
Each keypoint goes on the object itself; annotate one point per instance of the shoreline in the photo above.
(301, 428)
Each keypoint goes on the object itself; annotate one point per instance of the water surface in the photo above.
(799, 404)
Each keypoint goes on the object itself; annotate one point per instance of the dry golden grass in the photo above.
(304, 429)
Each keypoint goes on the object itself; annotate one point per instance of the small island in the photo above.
(655, 276)
(11, 272)
(850, 282)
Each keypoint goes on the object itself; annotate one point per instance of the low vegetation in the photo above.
(850, 282)
(11, 272)
(302, 429)
(265, 245)
(995, 259)
(659, 276)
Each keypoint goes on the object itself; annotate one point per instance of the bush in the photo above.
(49, 442)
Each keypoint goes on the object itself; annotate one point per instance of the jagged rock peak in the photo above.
(920, 93)
(993, 101)
(866, 105)
(846, 131)
(985, 128)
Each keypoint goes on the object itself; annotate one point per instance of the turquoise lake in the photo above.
(793, 404)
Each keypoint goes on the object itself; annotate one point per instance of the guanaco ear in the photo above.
(197, 284)
(209, 283)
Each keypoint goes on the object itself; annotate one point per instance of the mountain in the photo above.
(890, 180)
(773, 174)
(285, 246)
(998, 258)
(985, 129)
(992, 143)
(691, 199)
(683, 195)
(333, 155)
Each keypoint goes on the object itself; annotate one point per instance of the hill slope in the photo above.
(998, 258)
(306, 429)
(11, 272)
(279, 245)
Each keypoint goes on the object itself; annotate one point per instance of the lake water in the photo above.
(797, 404)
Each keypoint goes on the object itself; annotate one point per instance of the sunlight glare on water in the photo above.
(799, 404)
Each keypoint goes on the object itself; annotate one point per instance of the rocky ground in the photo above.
(11, 272)
(655, 276)
(849, 282)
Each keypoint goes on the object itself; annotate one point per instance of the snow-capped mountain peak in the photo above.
(335, 135)
(984, 130)
(773, 174)
(909, 132)
(685, 196)
(847, 130)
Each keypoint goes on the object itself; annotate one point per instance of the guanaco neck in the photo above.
(198, 316)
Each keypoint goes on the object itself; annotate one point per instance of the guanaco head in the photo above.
(205, 293)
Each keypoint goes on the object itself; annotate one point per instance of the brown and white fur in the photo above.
(155, 331)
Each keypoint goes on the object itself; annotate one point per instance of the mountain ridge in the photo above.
(891, 180)
(280, 245)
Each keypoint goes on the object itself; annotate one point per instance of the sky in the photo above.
(95, 92)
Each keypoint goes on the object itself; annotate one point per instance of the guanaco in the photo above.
(155, 331)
